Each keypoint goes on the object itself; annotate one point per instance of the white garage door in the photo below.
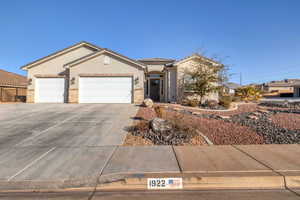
(105, 90)
(50, 90)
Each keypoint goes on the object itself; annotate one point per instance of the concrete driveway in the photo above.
(50, 142)
(64, 125)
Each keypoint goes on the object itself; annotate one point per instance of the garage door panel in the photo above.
(50, 90)
(105, 90)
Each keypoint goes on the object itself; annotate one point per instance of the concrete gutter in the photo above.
(201, 168)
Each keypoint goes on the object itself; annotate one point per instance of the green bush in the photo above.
(225, 101)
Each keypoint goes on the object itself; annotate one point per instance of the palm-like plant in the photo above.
(248, 93)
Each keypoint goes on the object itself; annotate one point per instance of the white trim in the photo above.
(47, 58)
(193, 57)
(161, 96)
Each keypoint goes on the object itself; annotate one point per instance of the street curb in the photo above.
(191, 181)
(194, 181)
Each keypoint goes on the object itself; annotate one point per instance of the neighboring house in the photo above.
(86, 73)
(229, 88)
(297, 90)
(12, 87)
(283, 86)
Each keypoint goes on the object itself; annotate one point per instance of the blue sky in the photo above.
(258, 38)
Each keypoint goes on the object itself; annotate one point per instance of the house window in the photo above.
(162, 87)
(106, 60)
(147, 87)
(155, 75)
(187, 79)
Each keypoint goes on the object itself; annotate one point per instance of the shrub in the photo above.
(225, 101)
(159, 111)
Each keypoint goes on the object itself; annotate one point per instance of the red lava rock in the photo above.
(251, 107)
(218, 131)
(287, 120)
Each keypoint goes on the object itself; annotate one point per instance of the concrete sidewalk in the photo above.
(120, 167)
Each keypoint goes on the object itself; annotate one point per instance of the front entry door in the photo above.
(154, 89)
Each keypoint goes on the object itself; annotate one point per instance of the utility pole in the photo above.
(241, 78)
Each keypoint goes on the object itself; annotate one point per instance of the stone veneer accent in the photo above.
(30, 96)
(73, 96)
(138, 96)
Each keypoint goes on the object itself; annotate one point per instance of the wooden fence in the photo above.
(12, 94)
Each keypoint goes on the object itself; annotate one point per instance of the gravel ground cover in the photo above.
(136, 137)
(249, 124)
(143, 113)
(286, 104)
(287, 120)
(219, 132)
(258, 122)
(262, 123)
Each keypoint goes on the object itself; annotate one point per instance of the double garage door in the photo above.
(91, 90)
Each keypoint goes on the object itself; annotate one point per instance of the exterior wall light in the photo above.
(29, 82)
(136, 80)
(72, 81)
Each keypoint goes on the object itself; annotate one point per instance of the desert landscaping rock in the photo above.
(162, 132)
(263, 125)
(292, 105)
(223, 117)
(259, 120)
(287, 120)
(148, 103)
(159, 125)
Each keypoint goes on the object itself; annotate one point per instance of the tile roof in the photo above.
(12, 79)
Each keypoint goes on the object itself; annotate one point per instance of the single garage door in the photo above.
(50, 90)
(105, 90)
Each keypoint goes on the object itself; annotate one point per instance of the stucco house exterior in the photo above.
(283, 86)
(230, 87)
(87, 73)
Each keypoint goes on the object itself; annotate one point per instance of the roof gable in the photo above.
(196, 56)
(61, 52)
(101, 52)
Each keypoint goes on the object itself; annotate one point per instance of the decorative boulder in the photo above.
(213, 104)
(223, 117)
(159, 125)
(148, 103)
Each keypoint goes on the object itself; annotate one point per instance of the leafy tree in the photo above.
(204, 78)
